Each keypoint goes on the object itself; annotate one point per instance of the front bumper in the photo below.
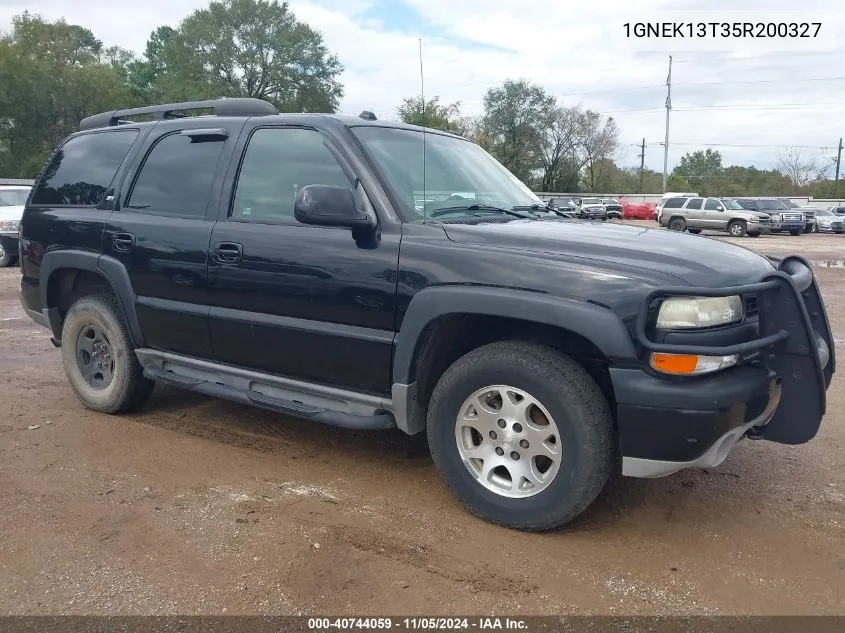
(667, 424)
(834, 227)
(786, 226)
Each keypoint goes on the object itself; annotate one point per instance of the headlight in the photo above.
(776, 217)
(9, 226)
(699, 312)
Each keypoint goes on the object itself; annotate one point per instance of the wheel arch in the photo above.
(58, 266)
(460, 318)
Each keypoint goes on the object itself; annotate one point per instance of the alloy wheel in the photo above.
(508, 441)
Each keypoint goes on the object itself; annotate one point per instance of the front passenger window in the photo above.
(278, 162)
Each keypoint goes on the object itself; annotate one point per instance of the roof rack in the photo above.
(221, 107)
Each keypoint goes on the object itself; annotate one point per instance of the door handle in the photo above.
(123, 242)
(227, 252)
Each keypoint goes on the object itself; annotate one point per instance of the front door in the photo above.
(304, 302)
(713, 214)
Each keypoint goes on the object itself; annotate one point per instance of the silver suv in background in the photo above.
(715, 214)
(591, 208)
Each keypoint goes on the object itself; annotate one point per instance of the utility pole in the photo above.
(838, 161)
(642, 165)
(668, 107)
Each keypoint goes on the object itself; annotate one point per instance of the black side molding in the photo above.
(109, 268)
(598, 325)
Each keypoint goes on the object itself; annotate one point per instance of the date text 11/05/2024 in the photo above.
(418, 623)
(693, 30)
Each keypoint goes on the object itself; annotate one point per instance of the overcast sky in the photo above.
(577, 50)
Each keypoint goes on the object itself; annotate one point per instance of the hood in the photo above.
(680, 258)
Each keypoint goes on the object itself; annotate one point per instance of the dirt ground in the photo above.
(199, 506)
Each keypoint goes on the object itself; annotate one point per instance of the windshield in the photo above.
(771, 205)
(823, 212)
(788, 203)
(457, 174)
(731, 205)
(13, 197)
(590, 201)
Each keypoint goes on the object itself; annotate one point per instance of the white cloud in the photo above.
(576, 50)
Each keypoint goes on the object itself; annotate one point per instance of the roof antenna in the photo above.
(424, 121)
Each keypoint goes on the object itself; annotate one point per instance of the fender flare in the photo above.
(599, 325)
(109, 268)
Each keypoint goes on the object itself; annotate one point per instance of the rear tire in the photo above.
(99, 357)
(737, 228)
(755, 234)
(533, 463)
(677, 224)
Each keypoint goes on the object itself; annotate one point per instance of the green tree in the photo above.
(246, 48)
(699, 168)
(516, 114)
(53, 74)
(676, 182)
(431, 114)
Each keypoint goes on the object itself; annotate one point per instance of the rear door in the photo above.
(693, 214)
(161, 228)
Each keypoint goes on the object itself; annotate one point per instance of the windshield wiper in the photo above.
(485, 208)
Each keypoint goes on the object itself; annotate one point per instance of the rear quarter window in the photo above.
(82, 170)
(674, 203)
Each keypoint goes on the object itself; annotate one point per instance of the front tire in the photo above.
(521, 434)
(99, 357)
(737, 228)
(694, 231)
(795, 232)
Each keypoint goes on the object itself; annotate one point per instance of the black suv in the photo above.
(315, 266)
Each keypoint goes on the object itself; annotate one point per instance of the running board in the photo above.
(318, 403)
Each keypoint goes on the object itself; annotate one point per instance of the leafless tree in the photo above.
(799, 168)
(560, 143)
(599, 140)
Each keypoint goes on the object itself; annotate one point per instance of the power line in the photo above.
(762, 81)
(775, 145)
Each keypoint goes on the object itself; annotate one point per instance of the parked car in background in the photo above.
(12, 201)
(716, 214)
(829, 222)
(591, 208)
(837, 210)
(667, 196)
(808, 211)
(781, 217)
(562, 204)
(613, 208)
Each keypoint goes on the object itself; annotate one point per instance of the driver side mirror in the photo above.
(720, 208)
(328, 205)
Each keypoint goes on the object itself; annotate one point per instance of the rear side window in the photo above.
(695, 203)
(176, 176)
(712, 204)
(81, 171)
(674, 203)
